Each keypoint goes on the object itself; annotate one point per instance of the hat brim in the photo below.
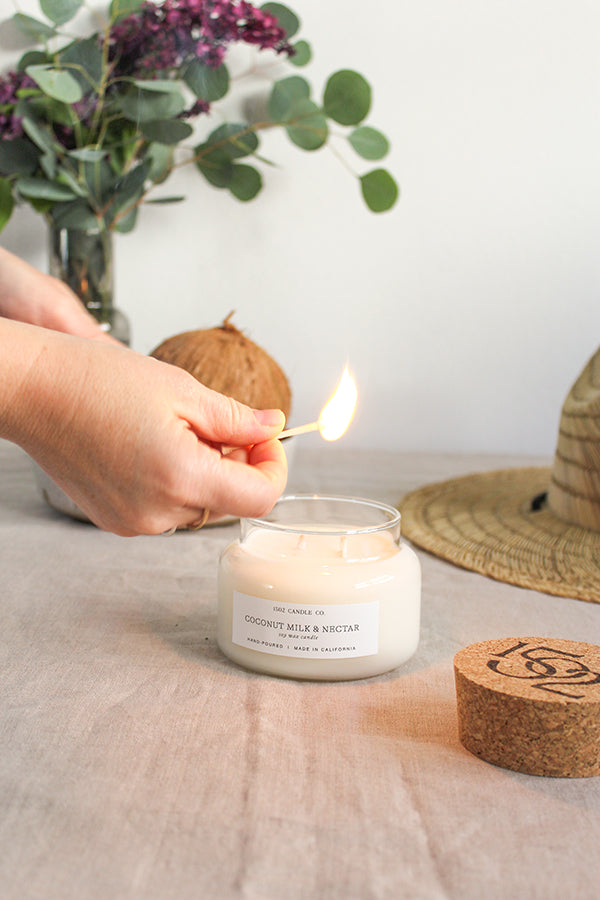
(494, 523)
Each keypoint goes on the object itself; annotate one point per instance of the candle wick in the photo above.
(301, 545)
(344, 546)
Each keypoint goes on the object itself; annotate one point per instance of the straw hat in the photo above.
(536, 527)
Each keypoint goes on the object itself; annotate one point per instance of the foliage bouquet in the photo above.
(91, 126)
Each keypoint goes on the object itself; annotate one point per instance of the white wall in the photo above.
(467, 311)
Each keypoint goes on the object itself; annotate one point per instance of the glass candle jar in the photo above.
(321, 588)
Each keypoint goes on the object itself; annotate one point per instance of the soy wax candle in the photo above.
(321, 588)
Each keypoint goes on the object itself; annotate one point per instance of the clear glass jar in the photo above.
(321, 588)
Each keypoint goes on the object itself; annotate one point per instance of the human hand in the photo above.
(135, 442)
(28, 295)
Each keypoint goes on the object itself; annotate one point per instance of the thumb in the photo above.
(224, 420)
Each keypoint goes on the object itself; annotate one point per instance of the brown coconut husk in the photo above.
(225, 360)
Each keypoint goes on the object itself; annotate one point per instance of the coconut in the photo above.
(225, 360)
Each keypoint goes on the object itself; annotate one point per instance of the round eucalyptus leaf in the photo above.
(6, 202)
(33, 28)
(32, 58)
(285, 94)
(219, 175)
(227, 142)
(379, 190)
(166, 131)
(125, 224)
(44, 190)
(56, 83)
(75, 215)
(139, 105)
(161, 162)
(307, 126)
(87, 154)
(60, 11)
(245, 183)
(83, 60)
(303, 54)
(205, 82)
(288, 20)
(18, 157)
(347, 97)
(368, 142)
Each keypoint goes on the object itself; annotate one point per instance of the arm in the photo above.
(133, 441)
(30, 296)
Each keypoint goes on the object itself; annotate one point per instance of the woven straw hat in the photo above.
(535, 527)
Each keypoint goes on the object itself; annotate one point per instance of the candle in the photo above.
(322, 588)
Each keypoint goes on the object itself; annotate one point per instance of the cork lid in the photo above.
(531, 704)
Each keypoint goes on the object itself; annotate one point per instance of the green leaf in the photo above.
(166, 131)
(307, 126)
(161, 162)
(48, 165)
(60, 11)
(288, 20)
(64, 176)
(99, 180)
(7, 202)
(146, 105)
(246, 182)
(76, 215)
(40, 135)
(228, 142)
(33, 28)
(347, 97)
(368, 142)
(128, 190)
(56, 83)
(158, 85)
(219, 175)
(32, 58)
(42, 189)
(303, 54)
(128, 222)
(379, 190)
(206, 83)
(83, 59)
(120, 8)
(160, 200)
(87, 154)
(18, 157)
(285, 94)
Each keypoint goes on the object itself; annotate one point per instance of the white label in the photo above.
(310, 630)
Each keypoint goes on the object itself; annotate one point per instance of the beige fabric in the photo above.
(136, 762)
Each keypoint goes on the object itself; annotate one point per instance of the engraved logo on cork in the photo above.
(548, 668)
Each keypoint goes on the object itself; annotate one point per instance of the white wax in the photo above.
(319, 606)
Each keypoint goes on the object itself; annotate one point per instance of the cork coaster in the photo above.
(531, 704)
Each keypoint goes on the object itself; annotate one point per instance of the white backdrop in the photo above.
(466, 312)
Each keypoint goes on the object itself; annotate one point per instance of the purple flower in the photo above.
(162, 38)
(10, 85)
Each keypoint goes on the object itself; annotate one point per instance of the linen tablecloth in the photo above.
(137, 762)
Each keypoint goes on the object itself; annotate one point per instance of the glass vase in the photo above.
(84, 261)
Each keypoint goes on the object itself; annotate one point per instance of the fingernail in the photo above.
(274, 418)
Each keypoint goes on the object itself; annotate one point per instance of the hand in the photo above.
(28, 295)
(135, 442)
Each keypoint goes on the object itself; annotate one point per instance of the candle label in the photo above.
(309, 630)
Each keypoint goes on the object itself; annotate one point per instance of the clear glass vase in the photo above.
(84, 261)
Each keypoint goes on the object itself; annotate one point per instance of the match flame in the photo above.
(337, 413)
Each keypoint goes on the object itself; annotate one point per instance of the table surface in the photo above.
(137, 761)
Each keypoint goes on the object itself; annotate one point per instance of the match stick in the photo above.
(301, 429)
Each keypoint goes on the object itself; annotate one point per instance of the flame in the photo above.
(337, 413)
